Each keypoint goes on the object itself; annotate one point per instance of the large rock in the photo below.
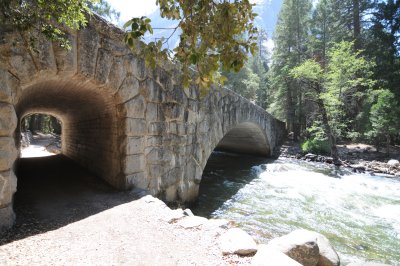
(237, 241)
(393, 163)
(307, 247)
(267, 256)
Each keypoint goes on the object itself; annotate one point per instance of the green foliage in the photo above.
(47, 17)
(384, 115)
(316, 145)
(104, 9)
(214, 34)
(346, 70)
(290, 50)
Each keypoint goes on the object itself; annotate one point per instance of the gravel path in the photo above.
(65, 216)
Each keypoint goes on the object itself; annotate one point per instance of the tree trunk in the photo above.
(329, 132)
(387, 145)
(356, 25)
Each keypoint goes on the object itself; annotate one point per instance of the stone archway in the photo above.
(90, 123)
(245, 138)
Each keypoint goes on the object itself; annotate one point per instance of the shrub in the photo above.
(318, 146)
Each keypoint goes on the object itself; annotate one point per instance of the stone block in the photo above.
(177, 128)
(135, 127)
(117, 74)
(8, 186)
(88, 44)
(8, 119)
(152, 91)
(66, 60)
(154, 112)
(138, 68)
(175, 96)
(24, 65)
(171, 193)
(172, 177)
(137, 180)
(8, 86)
(103, 65)
(159, 155)
(46, 58)
(8, 153)
(157, 128)
(136, 107)
(128, 89)
(154, 141)
(134, 164)
(7, 218)
(156, 171)
(134, 145)
(173, 111)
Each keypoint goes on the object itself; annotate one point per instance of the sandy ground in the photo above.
(66, 216)
(40, 146)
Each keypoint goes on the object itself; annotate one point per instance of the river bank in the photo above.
(359, 157)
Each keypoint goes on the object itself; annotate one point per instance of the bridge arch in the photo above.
(90, 131)
(245, 138)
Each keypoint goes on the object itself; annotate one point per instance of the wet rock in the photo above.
(311, 156)
(300, 245)
(237, 241)
(270, 256)
(329, 160)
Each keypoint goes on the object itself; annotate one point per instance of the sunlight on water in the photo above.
(360, 214)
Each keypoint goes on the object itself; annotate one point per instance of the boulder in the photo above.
(393, 163)
(311, 156)
(327, 254)
(237, 241)
(267, 256)
(307, 247)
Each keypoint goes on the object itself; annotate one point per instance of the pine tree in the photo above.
(290, 50)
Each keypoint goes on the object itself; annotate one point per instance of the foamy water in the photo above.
(359, 213)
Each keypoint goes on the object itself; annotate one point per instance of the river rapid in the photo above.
(359, 213)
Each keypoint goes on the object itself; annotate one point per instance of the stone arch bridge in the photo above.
(130, 125)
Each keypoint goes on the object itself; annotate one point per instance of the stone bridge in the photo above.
(128, 124)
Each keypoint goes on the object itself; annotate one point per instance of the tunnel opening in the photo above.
(85, 177)
(230, 166)
(88, 117)
(40, 135)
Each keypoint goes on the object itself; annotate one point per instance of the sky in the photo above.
(138, 8)
(133, 8)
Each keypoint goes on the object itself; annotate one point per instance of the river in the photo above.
(359, 213)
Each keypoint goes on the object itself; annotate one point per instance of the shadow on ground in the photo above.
(55, 191)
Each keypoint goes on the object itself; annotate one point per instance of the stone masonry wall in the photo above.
(132, 126)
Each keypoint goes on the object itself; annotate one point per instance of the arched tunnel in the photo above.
(245, 138)
(88, 115)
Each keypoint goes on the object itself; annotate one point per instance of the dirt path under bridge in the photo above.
(66, 216)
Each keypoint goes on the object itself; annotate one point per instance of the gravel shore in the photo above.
(66, 216)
